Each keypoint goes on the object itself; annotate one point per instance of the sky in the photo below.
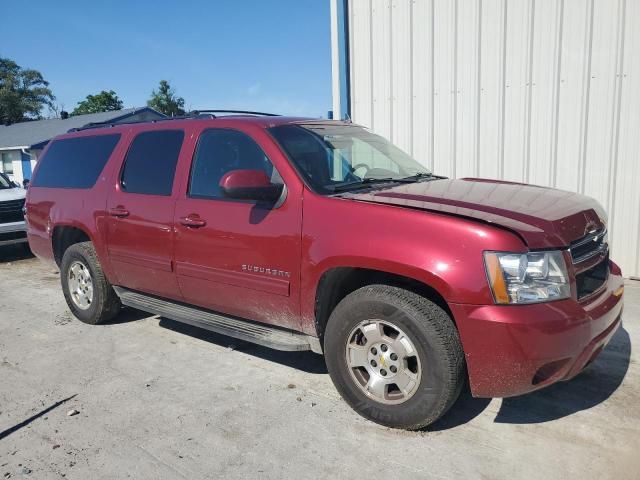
(269, 55)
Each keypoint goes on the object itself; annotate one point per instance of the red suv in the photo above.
(305, 234)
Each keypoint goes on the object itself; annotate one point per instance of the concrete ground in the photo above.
(160, 400)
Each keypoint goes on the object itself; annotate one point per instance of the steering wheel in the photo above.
(361, 165)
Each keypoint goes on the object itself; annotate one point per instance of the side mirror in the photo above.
(249, 185)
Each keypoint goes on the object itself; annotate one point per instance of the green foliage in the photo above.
(23, 93)
(102, 102)
(164, 100)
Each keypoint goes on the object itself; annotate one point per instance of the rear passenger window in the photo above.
(75, 162)
(219, 151)
(150, 164)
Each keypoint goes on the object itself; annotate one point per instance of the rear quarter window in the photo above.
(75, 162)
(150, 164)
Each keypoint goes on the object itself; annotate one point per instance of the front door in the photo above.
(140, 208)
(237, 257)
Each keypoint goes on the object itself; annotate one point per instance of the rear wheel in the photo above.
(394, 356)
(88, 293)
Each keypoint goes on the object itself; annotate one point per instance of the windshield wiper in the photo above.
(369, 181)
(418, 176)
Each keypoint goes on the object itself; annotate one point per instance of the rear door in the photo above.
(233, 256)
(140, 208)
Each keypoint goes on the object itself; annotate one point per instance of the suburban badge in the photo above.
(274, 272)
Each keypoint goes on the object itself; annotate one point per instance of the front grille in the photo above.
(591, 280)
(589, 246)
(12, 236)
(11, 211)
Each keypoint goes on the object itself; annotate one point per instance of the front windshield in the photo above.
(4, 182)
(340, 157)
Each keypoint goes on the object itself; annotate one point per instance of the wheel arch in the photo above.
(65, 235)
(336, 283)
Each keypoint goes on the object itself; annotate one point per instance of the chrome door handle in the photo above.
(119, 212)
(193, 221)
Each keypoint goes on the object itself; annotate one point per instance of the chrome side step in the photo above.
(260, 333)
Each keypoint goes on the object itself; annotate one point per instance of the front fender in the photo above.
(441, 251)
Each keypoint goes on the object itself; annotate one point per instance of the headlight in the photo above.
(527, 277)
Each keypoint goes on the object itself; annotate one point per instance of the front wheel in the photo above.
(88, 293)
(394, 356)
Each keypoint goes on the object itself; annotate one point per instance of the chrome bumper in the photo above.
(14, 232)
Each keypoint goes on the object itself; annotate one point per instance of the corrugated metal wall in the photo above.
(538, 91)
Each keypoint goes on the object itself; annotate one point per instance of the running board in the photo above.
(260, 333)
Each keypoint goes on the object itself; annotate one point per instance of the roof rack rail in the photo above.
(91, 125)
(241, 112)
(189, 115)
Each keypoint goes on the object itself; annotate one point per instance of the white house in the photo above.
(21, 143)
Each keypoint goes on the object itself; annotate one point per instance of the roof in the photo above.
(264, 121)
(26, 134)
(202, 119)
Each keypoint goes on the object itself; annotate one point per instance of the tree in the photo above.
(23, 93)
(102, 102)
(165, 100)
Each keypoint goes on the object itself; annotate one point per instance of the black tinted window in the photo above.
(75, 162)
(151, 162)
(220, 151)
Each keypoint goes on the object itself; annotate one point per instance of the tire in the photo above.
(430, 367)
(93, 300)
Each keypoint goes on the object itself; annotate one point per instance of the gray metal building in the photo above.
(537, 91)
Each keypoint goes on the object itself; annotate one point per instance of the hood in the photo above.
(12, 194)
(543, 217)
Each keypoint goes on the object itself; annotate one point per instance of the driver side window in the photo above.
(220, 151)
